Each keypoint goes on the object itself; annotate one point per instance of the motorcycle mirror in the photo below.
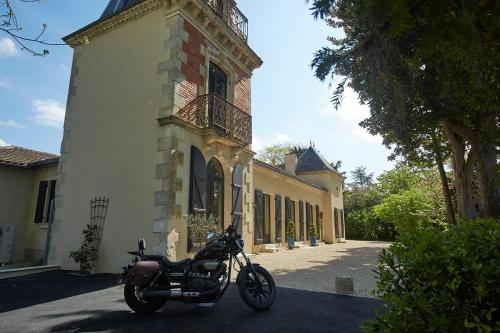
(142, 244)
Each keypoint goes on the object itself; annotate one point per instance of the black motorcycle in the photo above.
(151, 280)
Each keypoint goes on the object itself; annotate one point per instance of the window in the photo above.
(40, 202)
(215, 191)
(217, 81)
(43, 206)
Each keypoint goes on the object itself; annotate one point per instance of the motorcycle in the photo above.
(151, 280)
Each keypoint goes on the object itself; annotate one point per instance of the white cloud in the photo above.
(4, 82)
(49, 112)
(260, 142)
(8, 48)
(350, 111)
(281, 138)
(3, 143)
(11, 123)
(362, 134)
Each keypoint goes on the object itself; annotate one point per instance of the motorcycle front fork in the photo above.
(248, 263)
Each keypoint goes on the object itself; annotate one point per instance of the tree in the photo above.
(424, 67)
(12, 28)
(361, 178)
(274, 155)
(298, 150)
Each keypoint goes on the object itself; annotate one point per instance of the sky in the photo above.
(289, 105)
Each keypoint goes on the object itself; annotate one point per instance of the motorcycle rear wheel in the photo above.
(138, 305)
(261, 296)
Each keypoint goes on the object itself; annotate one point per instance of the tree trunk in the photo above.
(488, 180)
(463, 171)
(450, 212)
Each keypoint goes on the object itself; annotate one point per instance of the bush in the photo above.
(312, 230)
(365, 225)
(290, 230)
(441, 280)
(199, 226)
(87, 254)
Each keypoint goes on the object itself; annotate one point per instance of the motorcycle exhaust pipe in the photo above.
(168, 294)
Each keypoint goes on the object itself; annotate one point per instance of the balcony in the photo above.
(213, 112)
(231, 15)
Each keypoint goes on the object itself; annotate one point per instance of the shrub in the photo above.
(365, 225)
(290, 230)
(199, 226)
(312, 230)
(87, 254)
(441, 280)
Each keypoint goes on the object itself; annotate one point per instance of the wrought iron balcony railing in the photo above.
(214, 112)
(231, 15)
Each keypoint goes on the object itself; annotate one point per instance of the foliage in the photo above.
(366, 225)
(200, 225)
(428, 71)
(274, 155)
(88, 252)
(399, 179)
(361, 178)
(11, 27)
(312, 230)
(438, 279)
(297, 150)
(290, 230)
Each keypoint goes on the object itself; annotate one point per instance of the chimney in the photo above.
(290, 163)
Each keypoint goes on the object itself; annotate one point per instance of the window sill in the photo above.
(43, 225)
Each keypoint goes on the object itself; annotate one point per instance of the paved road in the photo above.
(58, 302)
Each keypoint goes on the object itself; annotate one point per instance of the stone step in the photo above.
(270, 248)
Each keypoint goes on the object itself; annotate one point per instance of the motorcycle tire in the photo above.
(138, 305)
(257, 298)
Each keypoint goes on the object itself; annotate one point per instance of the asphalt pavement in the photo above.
(59, 302)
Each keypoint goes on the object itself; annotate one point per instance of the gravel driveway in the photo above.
(315, 269)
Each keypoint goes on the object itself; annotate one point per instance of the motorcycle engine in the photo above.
(205, 275)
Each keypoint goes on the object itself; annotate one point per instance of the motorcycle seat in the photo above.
(166, 262)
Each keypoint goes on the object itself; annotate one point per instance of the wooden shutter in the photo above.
(318, 226)
(237, 188)
(336, 219)
(277, 217)
(342, 224)
(198, 185)
(301, 220)
(40, 203)
(308, 218)
(288, 210)
(259, 217)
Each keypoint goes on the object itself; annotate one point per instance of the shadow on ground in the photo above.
(104, 310)
(24, 291)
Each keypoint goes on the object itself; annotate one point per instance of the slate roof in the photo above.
(285, 173)
(114, 6)
(312, 160)
(23, 157)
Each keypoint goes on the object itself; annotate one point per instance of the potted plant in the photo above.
(87, 254)
(290, 234)
(199, 226)
(313, 234)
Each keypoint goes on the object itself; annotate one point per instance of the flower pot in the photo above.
(291, 243)
(313, 241)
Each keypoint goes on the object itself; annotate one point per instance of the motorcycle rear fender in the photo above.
(142, 272)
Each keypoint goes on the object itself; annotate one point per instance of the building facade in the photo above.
(158, 121)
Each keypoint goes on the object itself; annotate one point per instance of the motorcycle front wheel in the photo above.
(258, 296)
(139, 305)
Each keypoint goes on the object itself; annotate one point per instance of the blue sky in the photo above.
(289, 105)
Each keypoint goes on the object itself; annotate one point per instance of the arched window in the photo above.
(215, 190)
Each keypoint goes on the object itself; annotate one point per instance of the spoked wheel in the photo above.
(258, 294)
(139, 305)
